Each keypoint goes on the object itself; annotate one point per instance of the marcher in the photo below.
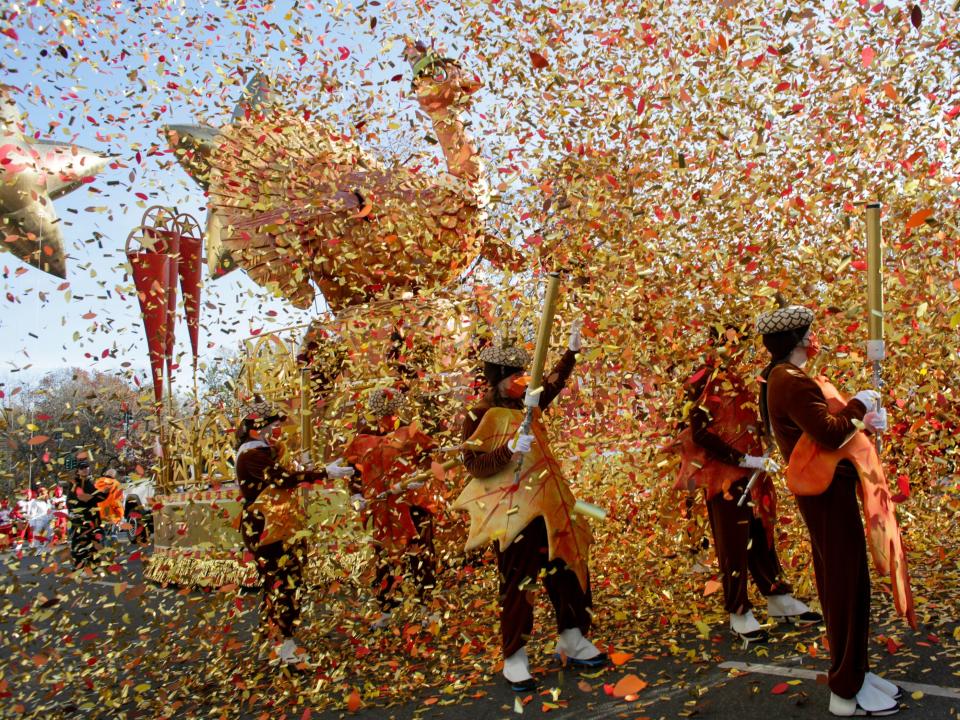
(792, 405)
(85, 523)
(260, 472)
(111, 508)
(58, 502)
(721, 449)
(522, 517)
(8, 526)
(39, 517)
(386, 454)
(21, 515)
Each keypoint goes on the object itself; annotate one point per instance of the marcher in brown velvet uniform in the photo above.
(725, 428)
(526, 559)
(280, 564)
(791, 404)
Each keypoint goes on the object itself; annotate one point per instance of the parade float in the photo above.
(299, 206)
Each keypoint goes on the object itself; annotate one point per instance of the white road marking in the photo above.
(938, 690)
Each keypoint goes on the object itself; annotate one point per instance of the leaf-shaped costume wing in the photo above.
(810, 471)
(500, 508)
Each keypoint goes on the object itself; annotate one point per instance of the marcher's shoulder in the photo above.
(788, 372)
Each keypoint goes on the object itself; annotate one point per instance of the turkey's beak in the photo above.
(470, 84)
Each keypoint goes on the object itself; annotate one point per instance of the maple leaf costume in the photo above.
(531, 520)
(829, 465)
(724, 429)
(260, 469)
(402, 521)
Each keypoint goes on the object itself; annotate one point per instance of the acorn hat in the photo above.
(506, 355)
(384, 401)
(258, 413)
(792, 317)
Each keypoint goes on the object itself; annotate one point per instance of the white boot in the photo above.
(746, 627)
(579, 651)
(516, 670)
(884, 686)
(786, 608)
(286, 653)
(869, 701)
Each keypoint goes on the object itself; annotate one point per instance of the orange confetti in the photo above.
(918, 218)
(353, 701)
(619, 658)
(538, 61)
(628, 685)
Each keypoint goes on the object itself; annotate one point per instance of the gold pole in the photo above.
(306, 414)
(876, 350)
(167, 470)
(543, 340)
(875, 274)
(532, 398)
(197, 430)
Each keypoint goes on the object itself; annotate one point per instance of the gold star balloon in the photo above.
(34, 173)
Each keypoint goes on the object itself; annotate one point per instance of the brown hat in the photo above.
(508, 356)
(792, 317)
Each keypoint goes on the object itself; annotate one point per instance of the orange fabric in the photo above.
(810, 472)
(383, 461)
(731, 408)
(283, 514)
(733, 414)
(500, 509)
(111, 509)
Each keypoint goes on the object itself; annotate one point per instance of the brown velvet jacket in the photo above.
(480, 464)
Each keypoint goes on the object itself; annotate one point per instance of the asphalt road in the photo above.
(110, 645)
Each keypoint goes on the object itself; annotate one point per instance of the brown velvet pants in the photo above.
(281, 572)
(421, 561)
(741, 544)
(843, 577)
(520, 565)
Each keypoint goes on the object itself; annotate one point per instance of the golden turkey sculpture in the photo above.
(300, 204)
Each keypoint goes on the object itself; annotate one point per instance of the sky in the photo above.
(111, 94)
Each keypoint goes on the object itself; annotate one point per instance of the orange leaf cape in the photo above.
(384, 460)
(810, 472)
(111, 509)
(734, 420)
(500, 509)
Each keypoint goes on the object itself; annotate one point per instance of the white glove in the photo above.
(575, 343)
(869, 399)
(521, 443)
(876, 420)
(754, 462)
(357, 502)
(336, 471)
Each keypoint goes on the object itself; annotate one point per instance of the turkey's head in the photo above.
(438, 82)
